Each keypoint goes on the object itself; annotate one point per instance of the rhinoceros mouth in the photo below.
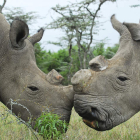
(95, 122)
(92, 124)
(94, 117)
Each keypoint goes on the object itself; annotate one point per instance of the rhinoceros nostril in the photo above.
(94, 113)
(33, 88)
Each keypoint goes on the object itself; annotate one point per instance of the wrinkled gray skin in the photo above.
(108, 93)
(22, 81)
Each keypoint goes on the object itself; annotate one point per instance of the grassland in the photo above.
(10, 129)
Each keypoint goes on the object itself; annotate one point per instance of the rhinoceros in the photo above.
(108, 93)
(22, 84)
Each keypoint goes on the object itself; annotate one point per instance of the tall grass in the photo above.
(129, 130)
(10, 129)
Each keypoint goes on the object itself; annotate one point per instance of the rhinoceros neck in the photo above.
(4, 32)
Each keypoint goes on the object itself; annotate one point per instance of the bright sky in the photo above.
(121, 8)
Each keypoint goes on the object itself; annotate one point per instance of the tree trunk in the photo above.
(80, 59)
(69, 74)
(85, 60)
(2, 6)
(90, 57)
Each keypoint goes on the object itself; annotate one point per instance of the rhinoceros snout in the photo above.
(80, 79)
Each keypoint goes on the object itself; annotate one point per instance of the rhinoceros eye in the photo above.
(33, 88)
(122, 78)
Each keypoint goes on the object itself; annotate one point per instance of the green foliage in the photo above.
(41, 57)
(107, 53)
(111, 51)
(60, 60)
(50, 126)
(99, 49)
(47, 61)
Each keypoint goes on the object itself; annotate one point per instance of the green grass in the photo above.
(77, 130)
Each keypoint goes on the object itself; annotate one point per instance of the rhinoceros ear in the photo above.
(98, 63)
(19, 31)
(134, 29)
(117, 25)
(37, 37)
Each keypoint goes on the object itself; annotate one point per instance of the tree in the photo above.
(27, 17)
(2, 6)
(79, 23)
(11, 13)
(108, 53)
(111, 51)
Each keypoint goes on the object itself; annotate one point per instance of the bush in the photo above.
(50, 126)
